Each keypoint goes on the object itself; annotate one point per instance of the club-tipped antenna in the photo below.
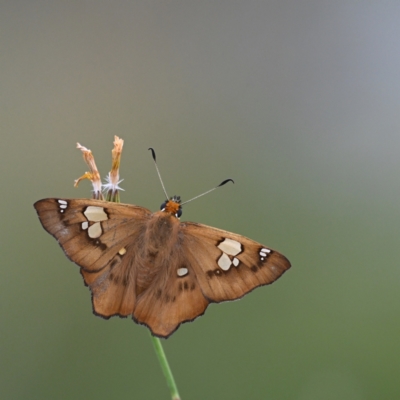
(158, 172)
(208, 191)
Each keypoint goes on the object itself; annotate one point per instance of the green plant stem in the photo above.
(165, 367)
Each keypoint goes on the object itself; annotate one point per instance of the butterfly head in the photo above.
(172, 206)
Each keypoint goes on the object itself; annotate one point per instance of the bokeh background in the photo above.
(297, 101)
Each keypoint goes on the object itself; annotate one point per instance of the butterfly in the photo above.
(153, 267)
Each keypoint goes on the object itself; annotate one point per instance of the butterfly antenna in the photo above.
(208, 191)
(158, 172)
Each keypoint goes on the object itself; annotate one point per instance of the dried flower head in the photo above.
(93, 175)
(111, 186)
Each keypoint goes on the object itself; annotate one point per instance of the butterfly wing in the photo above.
(100, 237)
(208, 265)
(173, 297)
(228, 265)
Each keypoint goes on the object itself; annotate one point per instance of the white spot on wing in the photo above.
(224, 262)
(266, 250)
(262, 254)
(95, 231)
(231, 247)
(95, 214)
(122, 251)
(62, 204)
(85, 225)
(182, 271)
(235, 262)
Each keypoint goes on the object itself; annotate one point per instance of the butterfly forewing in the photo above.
(228, 265)
(91, 232)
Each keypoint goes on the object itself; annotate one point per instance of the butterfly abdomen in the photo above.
(161, 234)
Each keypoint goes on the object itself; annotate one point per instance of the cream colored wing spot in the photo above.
(230, 247)
(95, 214)
(224, 262)
(95, 230)
(122, 251)
(182, 271)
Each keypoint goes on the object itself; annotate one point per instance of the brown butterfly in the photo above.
(153, 267)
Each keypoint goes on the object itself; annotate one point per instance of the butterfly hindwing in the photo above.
(173, 297)
(113, 288)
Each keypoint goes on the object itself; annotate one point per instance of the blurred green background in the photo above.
(297, 101)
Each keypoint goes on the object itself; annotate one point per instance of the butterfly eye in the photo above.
(163, 205)
(179, 213)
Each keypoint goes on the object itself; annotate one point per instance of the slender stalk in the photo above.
(113, 196)
(166, 369)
